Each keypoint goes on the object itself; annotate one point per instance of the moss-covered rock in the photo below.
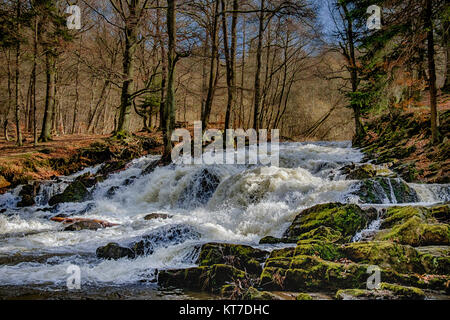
(322, 249)
(435, 259)
(322, 233)
(344, 218)
(384, 254)
(409, 293)
(114, 251)
(441, 213)
(303, 297)
(386, 292)
(84, 225)
(378, 190)
(239, 256)
(205, 278)
(416, 232)
(273, 240)
(311, 273)
(75, 192)
(366, 171)
(28, 194)
(398, 215)
(256, 295)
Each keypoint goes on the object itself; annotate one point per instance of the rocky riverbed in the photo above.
(311, 228)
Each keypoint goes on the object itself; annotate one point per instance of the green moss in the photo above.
(396, 215)
(347, 219)
(347, 294)
(254, 294)
(75, 192)
(324, 250)
(206, 278)
(409, 293)
(416, 233)
(303, 296)
(304, 272)
(270, 240)
(239, 256)
(322, 233)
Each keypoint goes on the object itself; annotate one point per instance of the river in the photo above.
(242, 204)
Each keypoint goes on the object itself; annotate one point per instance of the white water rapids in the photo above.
(249, 203)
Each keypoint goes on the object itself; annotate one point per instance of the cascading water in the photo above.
(225, 203)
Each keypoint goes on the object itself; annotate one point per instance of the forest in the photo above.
(304, 67)
(92, 91)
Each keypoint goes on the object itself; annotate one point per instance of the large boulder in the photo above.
(344, 218)
(114, 251)
(386, 292)
(75, 192)
(417, 232)
(206, 278)
(385, 190)
(385, 254)
(366, 171)
(241, 257)
(28, 194)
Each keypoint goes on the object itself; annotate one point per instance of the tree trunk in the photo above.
(359, 128)
(130, 34)
(17, 81)
(170, 100)
(213, 68)
(230, 57)
(432, 72)
(50, 71)
(446, 45)
(257, 97)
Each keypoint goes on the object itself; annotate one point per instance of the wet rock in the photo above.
(75, 192)
(28, 194)
(344, 218)
(382, 190)
(303, 297)
(366, 171)
(435, 259)
(290, 272)
(386, 292)
(151, 167)
(241, 257)
(112, 191)
(441, 213)
(84, 225)
(253, 294)
(78, 224)
(398, 215)
(164, 237)
(89, 180)
(273, 240)
(385, 254)
(112, 167)
(206, 278)
(155, 216)
(416, 232)
(114, 251)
